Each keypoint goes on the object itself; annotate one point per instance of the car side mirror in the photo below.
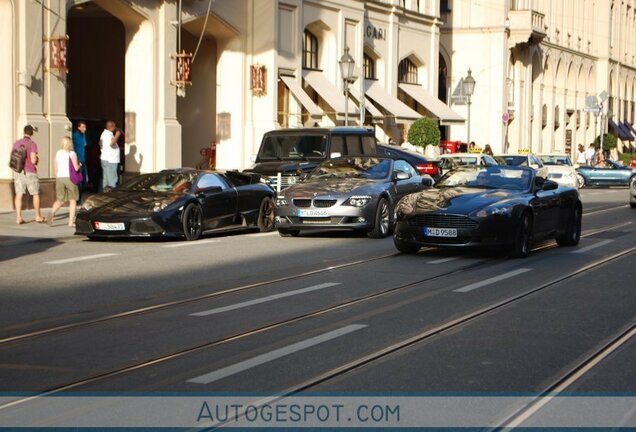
(401, 176)
(549, 185)
(427, 181)
(334, 155)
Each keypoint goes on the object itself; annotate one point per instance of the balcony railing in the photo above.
(526, 26)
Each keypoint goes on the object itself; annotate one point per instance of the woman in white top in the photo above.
(580, 155)
(65, 189)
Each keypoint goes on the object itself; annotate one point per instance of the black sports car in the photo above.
(489, 206)
(178, 203)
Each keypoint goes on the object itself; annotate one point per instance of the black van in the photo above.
(284, 154)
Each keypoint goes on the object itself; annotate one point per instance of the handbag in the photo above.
(76, 176)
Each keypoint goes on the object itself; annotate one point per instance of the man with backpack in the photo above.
(24, 158)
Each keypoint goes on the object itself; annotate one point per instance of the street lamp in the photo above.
(468, 87)
(346, 70)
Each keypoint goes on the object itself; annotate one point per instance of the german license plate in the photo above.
(110, 226)
(440, 232)
(312, 213)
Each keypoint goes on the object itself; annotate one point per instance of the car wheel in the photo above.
(288, 232)
(581, 180)
(192, 222)
(523, 238)
(266, 215)
(382, 221)
(405, 248)
(572, 234)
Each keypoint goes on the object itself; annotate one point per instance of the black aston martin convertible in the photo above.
(499, 206)
(178, 203)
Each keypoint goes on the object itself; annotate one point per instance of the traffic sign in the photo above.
(595, 109)
(505, 117)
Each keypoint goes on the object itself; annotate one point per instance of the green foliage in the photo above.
(626, 158)
(609, 142)
(423, 132)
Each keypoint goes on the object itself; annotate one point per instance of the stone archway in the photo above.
(7, 84)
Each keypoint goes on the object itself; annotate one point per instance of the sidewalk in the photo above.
(12, 233)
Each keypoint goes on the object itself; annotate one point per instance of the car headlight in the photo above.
(357, 201)
(505, 210)
(281, 201)
(160, 205)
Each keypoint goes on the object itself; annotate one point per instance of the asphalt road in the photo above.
(331, 313)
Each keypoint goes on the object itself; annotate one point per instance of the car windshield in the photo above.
(160, 182)
(464, 160)
(293, 147)
(368, 168)
(514, 160)
(487, 178)
(555, 160)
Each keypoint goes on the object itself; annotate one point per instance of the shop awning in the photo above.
(375, 113)
(627, 131)
(438, 108)
(334, 97)
(390, 103)
(302, 97)
(620, 132)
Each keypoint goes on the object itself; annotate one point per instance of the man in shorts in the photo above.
(27, 180)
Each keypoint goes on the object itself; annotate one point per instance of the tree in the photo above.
(609, 142)
(423, 132)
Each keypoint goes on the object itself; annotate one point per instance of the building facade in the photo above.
(256, 65)
(535, 62)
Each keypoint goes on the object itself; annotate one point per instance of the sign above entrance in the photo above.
(58, 53)
(184, 70)
(258, 79)
(372, 32)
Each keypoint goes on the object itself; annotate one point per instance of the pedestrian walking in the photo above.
(65, 189)
(580, 155)
(79, 146)
(26, 178)
(109, 155)
(590, 155)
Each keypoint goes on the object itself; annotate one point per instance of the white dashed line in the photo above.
(443, 260)
(190, 243)
(274, 355)
(264, 299)
(84, 258)
(590, 247)
(492, 280)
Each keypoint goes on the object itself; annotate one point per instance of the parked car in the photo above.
(285, 154)
(632, 193)
(606, 173)
(561, 170)
(423, 164)
(356, 193)
(451, 161)
(523, 160)
(178, 203)
(494, 206)
(633, 162)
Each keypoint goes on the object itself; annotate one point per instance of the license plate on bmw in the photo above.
(312, 213)
(440, 232)
(110, 226)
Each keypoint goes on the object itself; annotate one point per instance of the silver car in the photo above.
(632, 193)
(355, 193)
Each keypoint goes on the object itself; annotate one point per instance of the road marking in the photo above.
(492, 280)
(265, 234)
(190, 243)
(274, 355)
(590, 247)
(443, 260)
(264, 299)
(84, 258)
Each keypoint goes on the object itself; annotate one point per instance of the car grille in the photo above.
(300, 202)
(436, 220)
(324, 202)
(320, 203)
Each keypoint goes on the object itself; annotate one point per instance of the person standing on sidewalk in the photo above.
(110, 155)
(65, 189)
(27, 180)
(79, 146)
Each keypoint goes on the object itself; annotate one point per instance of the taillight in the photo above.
(427, 168)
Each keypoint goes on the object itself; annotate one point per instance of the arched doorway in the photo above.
(96, 82)
(7, 72)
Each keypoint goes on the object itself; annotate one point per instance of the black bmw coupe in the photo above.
(489, 206)
(178, 203)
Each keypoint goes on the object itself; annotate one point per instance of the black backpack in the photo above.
(18, 158)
